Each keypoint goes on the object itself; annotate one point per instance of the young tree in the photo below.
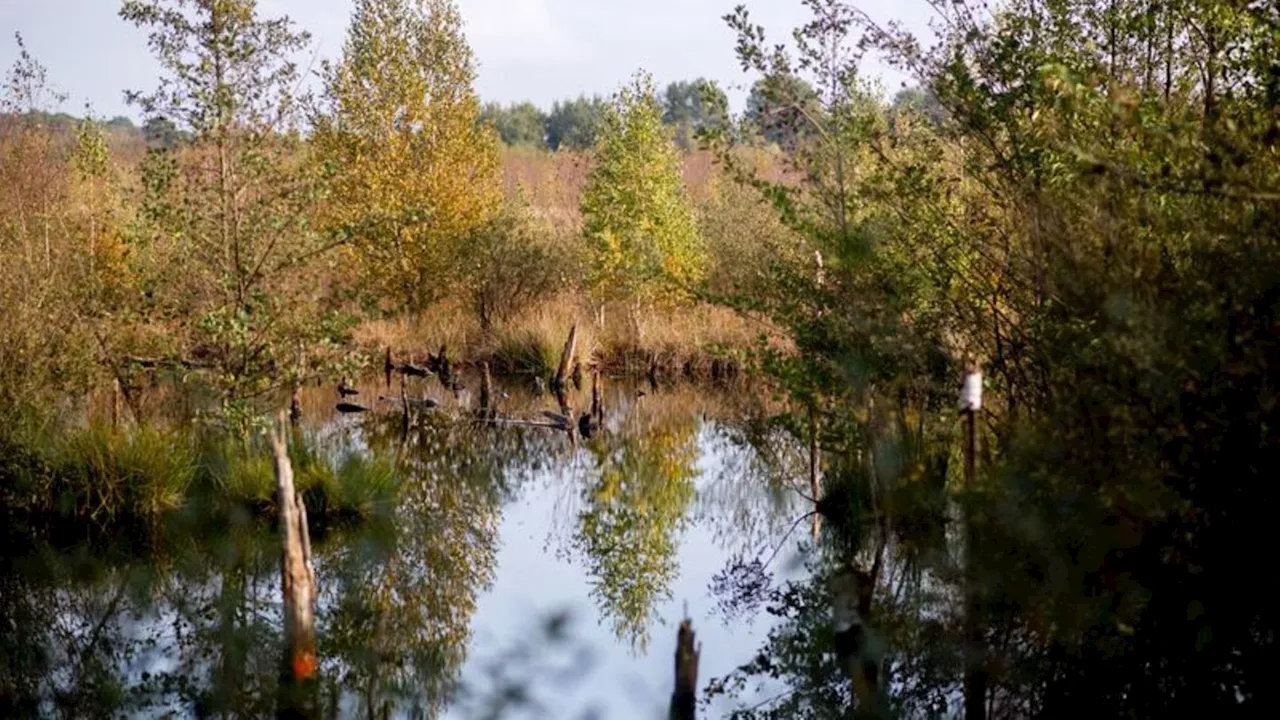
(227, 214)
(637, 215)
(411, 172)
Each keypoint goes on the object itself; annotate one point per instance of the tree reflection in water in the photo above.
(185, 616)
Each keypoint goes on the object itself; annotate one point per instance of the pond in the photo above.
(517, 566)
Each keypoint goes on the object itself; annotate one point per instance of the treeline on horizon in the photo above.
(689, 107)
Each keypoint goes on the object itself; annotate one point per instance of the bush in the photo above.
(510, 264)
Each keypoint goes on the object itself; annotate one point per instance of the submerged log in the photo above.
(566, 359)
(298, 588)
(684, 695)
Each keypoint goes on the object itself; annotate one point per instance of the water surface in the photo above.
(514, 556)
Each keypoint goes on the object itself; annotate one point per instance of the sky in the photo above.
(537, 50)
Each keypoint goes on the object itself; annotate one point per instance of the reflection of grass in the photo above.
(145, 473)
(334, 486)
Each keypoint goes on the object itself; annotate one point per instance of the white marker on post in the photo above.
(971, 393)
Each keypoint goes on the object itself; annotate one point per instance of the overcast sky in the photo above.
(539, 50)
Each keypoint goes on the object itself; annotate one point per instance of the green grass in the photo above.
(109, 477)
(146, 472)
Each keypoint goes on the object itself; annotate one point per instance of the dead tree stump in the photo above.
(566, 360)
(298, 587)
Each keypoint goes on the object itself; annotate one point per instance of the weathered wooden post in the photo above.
(298, 588)
(684, 695)
(566, 360)
(388, 366)
(975, 675)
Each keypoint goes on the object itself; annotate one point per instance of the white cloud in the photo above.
(514, 28)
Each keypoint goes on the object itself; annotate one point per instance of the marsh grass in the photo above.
(143, 474)
(695, 341)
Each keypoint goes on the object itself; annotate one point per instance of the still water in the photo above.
(518, 570)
